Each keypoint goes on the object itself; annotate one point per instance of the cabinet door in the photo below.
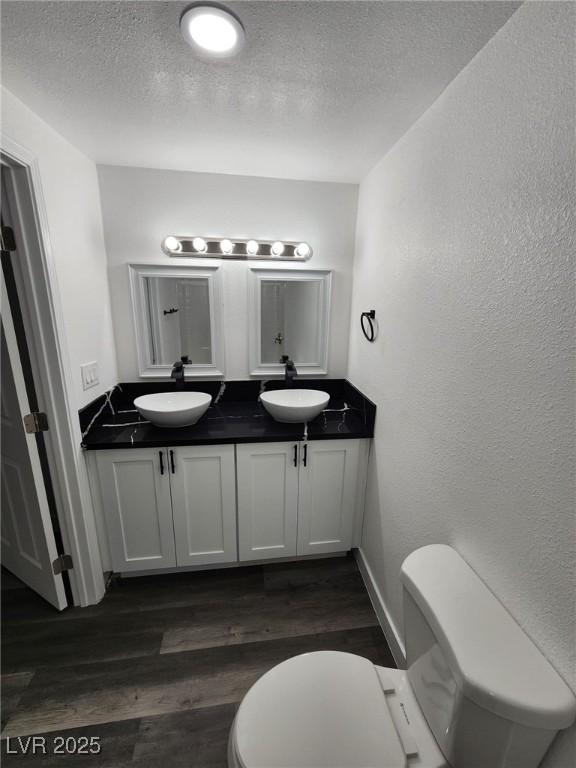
(327, 495)
(267, 500)
(204, 504)
(135, 486)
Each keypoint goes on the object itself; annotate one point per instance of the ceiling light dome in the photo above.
(213, 31)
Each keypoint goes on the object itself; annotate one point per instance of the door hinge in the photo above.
(35, 422)
(62, 563)
(7, 240)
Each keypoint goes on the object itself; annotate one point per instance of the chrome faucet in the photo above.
(290, 371)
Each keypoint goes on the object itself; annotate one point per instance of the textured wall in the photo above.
(70, 187)
(465, 248)
(142, 206)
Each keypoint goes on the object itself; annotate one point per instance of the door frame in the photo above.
(45, 330)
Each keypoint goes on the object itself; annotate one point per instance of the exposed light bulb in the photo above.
(226, 246)
(252, 247)
(199, 244)
(302, 250)
(277, 248)
(172, 243)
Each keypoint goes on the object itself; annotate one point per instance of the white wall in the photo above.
(70, 187)
(79, 288)
(142, 206)
(465, 248)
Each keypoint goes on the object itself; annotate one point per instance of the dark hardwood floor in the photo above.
(158, 668)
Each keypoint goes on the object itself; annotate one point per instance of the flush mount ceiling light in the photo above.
(212, 30)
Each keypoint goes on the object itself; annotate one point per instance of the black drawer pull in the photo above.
(296, 455)
(305, 457)
(172, 462)
(161, 454)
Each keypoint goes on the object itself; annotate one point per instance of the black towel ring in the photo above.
(368, 328)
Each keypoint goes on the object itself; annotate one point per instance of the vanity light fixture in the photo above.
(238, 248)
(172, 244)
(226, 246)
(252, 247)
(199, 244)
(212, 30)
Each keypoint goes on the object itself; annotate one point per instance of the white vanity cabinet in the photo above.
(135, 491)
(297, 498)
(167, 507)
(267, 500)
(327, 495)
(203, 485)
(188, 506)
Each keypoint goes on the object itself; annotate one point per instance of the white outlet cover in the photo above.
(89, 373)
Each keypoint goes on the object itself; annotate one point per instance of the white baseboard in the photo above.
(391, 633)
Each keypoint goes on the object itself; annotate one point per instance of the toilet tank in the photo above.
(490, 697)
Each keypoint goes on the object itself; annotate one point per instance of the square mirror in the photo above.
(289, 315)
(175, 318)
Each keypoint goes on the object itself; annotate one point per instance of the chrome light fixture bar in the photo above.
(225, 248)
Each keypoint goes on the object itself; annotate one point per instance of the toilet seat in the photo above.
(318, 710)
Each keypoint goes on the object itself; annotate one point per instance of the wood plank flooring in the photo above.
(158, 668)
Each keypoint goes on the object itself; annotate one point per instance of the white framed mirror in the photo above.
(177, 315)
(289, 314)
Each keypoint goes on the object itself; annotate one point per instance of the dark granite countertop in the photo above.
(235, 416)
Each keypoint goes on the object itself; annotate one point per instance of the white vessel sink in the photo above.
(173, 409)
(289, 405)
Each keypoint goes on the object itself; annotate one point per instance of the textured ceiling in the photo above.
(320, 91)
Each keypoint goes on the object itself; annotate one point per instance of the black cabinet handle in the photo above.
(296, 455)
(172, 462)
(161, 454)
(305, 457)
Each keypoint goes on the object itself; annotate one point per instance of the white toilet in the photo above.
(477, 692)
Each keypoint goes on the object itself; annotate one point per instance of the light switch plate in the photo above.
(89, 375)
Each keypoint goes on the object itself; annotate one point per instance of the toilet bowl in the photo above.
(477, 693)
(330, 709)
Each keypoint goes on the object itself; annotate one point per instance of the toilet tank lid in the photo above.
(496, 664)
